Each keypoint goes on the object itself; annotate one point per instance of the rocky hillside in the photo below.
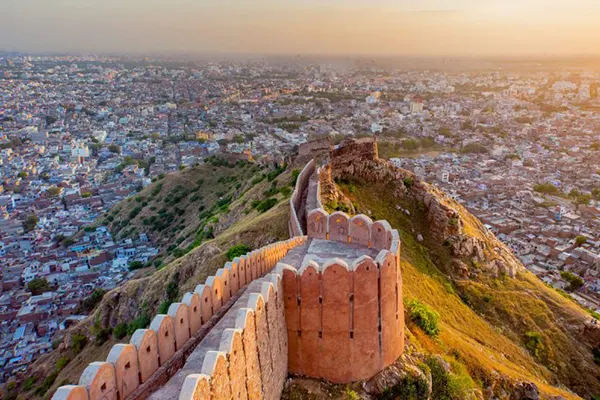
(179, 211)
(220, 206)
(481, 325)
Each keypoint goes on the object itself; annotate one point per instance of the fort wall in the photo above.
(258, 319)
(345, 322)
(134, 370)
(251, 361)
(294, 224)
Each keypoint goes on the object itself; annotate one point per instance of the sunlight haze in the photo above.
(431, 27)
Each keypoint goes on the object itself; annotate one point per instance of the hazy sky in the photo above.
(407, 27)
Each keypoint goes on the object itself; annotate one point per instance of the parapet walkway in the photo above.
(327, 305)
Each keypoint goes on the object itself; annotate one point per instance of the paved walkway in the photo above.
(314, 249)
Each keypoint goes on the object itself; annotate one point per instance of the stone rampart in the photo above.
(238, 335)
(250, 362)
(294, 224)
(344, 322)
(360, 229)
(131, 370)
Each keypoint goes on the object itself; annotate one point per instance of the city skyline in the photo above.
(357, 27)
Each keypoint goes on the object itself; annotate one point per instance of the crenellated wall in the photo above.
(359, 230)
(238, 335)
(251, 361)
(345, 321)
(294, 224)
(129, 367)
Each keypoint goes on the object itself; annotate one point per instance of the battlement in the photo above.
(135, 369)
(296, 209)
(326, 305)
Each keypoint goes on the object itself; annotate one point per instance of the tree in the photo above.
(135, 265)
(22, 174)
(53, 191)
(30, 223)
(89, 303)
(410, 144)
(238, 139)
(580, 240)
(95, 148)
(474, 148)
(38, 286)
(113, 148)
(575, 282)
(546, 188)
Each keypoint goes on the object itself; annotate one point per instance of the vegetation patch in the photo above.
(237, 251)
(424, 317)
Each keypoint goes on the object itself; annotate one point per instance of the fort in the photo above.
(326, 303)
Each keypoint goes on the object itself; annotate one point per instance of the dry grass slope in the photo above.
(484, 323)
(239, 223)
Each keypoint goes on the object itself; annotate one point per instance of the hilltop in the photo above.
(209, 210)
(479, 325)
(499, 325)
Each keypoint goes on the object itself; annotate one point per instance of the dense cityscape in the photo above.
(520, 148)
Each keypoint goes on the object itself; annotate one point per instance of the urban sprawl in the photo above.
(519, 148)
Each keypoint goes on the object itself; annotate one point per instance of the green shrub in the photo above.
(408, 182)
(474, 148)
(120, 330)
(295, 174)
(136, 265)
(141, 322)
(90, 302)
(78, 342)
(535, 344)
(101, 335)
(46, 384)
(61, 363)
(575, 282)
(272, 191)
(164, 307)
(411, 387)
(285, 191)
(424, 317)
(266, 205)
(28, 383)
(38, 286)
(546, 188)
(453, 385)
(237, 250)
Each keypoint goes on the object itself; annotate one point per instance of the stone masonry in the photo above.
(326, 303)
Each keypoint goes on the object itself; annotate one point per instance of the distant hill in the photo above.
(181, 210)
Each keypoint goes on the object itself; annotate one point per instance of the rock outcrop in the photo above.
(445, 218)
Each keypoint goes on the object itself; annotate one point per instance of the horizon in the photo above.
(409, 28)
